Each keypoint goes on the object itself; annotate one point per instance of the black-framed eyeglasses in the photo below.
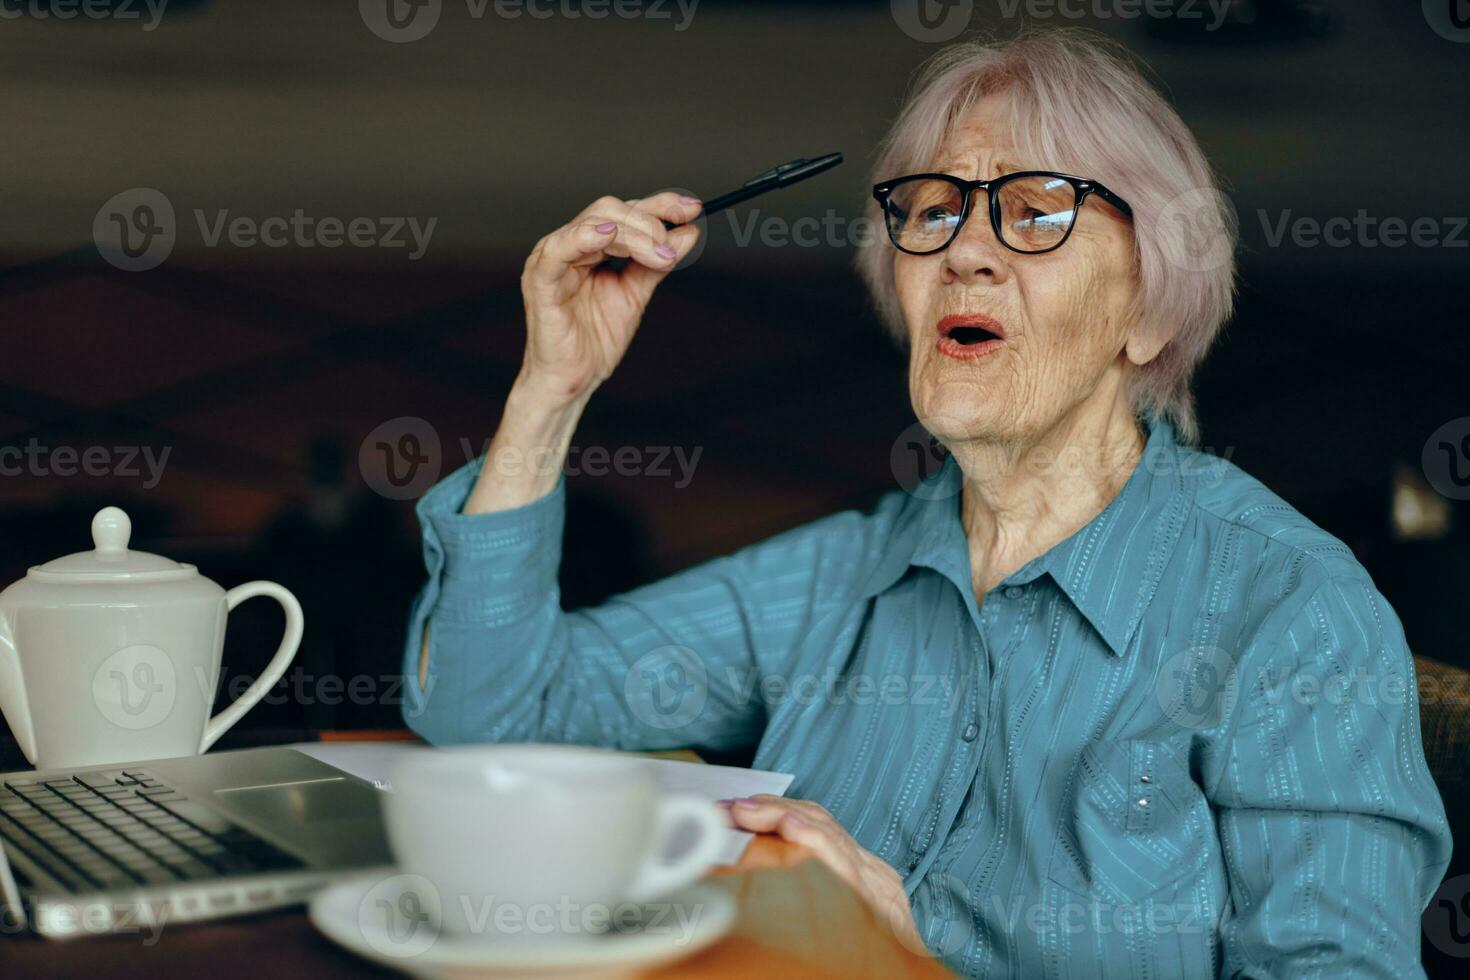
(1032, 211)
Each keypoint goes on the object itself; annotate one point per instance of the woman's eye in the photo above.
(937, 214)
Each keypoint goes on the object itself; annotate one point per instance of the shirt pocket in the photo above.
(1135, 823)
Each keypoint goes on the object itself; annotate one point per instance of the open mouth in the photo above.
(969, 336)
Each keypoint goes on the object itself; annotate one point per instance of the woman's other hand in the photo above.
(810, 825)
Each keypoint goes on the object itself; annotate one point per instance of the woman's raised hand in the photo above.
(580, 317)
(580, 314)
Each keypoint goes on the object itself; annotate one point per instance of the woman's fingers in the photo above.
(570, 244)
(765, 814)
(817, 838)
(623, 229)
(589, 242)
(646, 214)
(642, 278)
(650, 250)
(800, 822)
(670, 206)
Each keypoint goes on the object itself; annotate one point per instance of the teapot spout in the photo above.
(13, 702)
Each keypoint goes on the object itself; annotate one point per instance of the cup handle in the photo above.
(656, 879)
(226, 719)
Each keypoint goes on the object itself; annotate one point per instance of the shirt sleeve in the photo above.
(1333, 832)
(673, 664)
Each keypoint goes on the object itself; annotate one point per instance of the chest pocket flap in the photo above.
(1135, 824)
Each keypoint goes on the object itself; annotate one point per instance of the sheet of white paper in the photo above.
(373, 761)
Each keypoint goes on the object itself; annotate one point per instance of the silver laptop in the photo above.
(116, 849)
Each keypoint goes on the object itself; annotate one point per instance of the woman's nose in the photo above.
(975, 252)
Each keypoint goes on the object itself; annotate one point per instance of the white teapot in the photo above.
(113, 656)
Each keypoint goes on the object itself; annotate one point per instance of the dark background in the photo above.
(263, 371)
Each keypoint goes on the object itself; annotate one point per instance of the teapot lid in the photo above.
(111, 561)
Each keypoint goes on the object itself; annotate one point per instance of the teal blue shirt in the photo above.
(1183, 742)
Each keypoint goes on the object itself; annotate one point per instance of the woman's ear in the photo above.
(1144, 343)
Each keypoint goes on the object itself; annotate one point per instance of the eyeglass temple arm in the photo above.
(1110, 197)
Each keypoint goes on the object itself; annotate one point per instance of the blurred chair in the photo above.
(1444, 718)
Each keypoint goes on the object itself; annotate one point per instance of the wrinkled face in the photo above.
(1058, 316)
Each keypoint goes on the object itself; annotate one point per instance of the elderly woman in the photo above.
(1087, 701)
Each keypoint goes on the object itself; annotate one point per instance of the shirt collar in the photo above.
(1088, 566)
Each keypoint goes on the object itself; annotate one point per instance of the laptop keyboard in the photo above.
(125, 829)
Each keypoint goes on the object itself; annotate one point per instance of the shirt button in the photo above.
(1013, 592)
(971, 730)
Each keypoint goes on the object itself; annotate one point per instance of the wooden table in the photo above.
(796, 920)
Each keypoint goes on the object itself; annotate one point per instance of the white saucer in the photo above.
(377, 916)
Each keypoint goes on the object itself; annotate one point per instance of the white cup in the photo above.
(542, 840)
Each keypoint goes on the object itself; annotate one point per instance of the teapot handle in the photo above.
(227, 718)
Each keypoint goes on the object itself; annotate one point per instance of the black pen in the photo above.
(782, 176)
